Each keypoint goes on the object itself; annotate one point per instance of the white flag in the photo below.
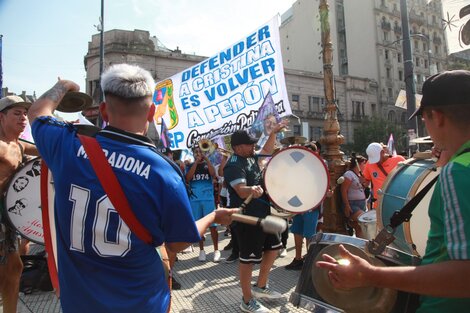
(456, 23)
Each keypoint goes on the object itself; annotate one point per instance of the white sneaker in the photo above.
(188, 250)
(283, 253)
(216, 256)
(265, 293)
(253, 306)
(202, 256)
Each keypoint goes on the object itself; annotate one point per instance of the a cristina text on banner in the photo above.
(223, 93)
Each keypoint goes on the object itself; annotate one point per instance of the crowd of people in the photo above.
(113, 269)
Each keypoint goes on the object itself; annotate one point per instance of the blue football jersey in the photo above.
(201, 183)
(103, 266)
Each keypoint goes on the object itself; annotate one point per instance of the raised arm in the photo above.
(47, 103)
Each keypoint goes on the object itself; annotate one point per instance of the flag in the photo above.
(456, 23)
(26, 134)
(391, 145)
(165, 140)
(1, 70)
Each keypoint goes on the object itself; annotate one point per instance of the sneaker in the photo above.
(265, 293)
(188, 250)
(216, 256)
(232, 258)
(229, 246)
(295, 265)
(227, 232)
(202, 256)
(253, 306)
(283, 253)
(174, 284)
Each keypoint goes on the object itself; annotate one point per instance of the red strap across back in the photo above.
(51, 262)
(112, 187)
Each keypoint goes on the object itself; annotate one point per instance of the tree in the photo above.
(376, 130)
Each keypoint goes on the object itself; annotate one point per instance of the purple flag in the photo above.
(164, 138)
(1, 70)
(267, 117)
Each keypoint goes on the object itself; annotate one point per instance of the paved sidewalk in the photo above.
(206, 286)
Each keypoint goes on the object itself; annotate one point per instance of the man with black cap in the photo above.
(244, 178)
(13, 120)
(442, 277)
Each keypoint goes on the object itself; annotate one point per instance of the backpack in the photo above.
(35, 274)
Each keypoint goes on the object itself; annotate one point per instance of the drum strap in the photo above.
(111, 186)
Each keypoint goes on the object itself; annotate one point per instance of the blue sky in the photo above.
(43, 40)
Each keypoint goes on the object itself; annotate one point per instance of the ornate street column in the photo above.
(331, 139)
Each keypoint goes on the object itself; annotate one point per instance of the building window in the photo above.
(419, 79)
(399, 57)
(315, 104)
(400, 75)
(425, 63)
(417, 61)
(373, 109)
(358, 109)
(385, 36)
(392, 117)
(295, 102)
(297, 130)
(315, 133)
(388, 72)
(386, 54)
(390, 93)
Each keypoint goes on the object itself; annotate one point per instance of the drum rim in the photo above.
(321, 161)
(413, 190)
(5, 200)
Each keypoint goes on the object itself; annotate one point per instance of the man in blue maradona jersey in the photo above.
(442, 277)
(103, 266)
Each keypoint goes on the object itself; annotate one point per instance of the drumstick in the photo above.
(270, 224)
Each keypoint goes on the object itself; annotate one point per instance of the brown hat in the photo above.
(11, 101)
(446, 88)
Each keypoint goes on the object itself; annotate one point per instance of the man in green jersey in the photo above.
(442, 278)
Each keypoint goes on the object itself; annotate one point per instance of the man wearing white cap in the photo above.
(380, 164)
(13, 121)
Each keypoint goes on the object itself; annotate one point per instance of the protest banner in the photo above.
(223, 93)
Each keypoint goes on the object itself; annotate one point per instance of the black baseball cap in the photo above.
(242, 137)
(446, 88)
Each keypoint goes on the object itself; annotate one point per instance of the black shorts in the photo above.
(253, 241)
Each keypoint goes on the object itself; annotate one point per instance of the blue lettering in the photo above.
(238, 48)
(222, 89)
(255, 71)
(210, 95)
(195, 100)
(268, 65)
(213, 62)
(263, 33)
(184, 103)
(175, 139)
(225, 56)
(251, 41)
(186, 75)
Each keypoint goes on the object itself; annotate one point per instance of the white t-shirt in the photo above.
(356, 190)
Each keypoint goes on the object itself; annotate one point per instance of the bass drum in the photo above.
(402, 184)
(23, 202)
(296, 180)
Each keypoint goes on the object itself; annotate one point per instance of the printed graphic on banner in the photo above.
(223, 93)
(456, 23)
(268, 116)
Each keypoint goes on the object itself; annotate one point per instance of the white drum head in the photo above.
(296, 179)
(23, 202)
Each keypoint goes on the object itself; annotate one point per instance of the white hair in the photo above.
(127, 81)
